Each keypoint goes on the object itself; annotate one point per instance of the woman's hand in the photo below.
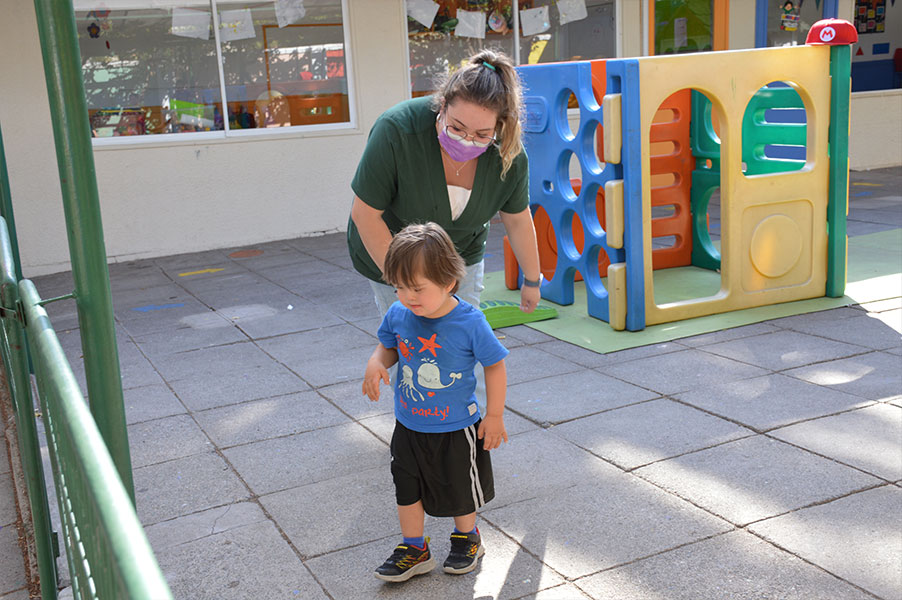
(529, 298)
(492, 431)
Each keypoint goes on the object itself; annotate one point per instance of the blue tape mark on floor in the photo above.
(858, 194)
(151, 307)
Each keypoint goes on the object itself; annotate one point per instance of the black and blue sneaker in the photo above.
(406, 562)
(466, 548)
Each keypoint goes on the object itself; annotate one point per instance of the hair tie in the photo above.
(489, 66)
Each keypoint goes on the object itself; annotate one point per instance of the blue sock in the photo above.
(419, 542)
(475, 530)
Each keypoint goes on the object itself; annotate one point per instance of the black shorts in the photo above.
(450, 472)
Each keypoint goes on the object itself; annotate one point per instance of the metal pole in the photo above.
(6, 209)
(74, 154)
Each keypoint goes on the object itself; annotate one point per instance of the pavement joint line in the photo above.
(813, 564)
(831, 459)
(523, 548)
(865, 351)
(673, 392)
(284, 436)
(554, 424)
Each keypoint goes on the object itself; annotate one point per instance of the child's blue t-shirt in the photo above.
(435, 380)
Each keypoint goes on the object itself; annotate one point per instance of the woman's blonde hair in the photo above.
(489, 80)
(423, 250)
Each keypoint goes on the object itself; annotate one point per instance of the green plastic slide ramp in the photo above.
(501, 313)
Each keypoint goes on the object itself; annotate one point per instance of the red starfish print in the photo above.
(429, 344)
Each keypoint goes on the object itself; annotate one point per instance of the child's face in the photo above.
(425, 298)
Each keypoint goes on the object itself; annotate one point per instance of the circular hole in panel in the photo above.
(593, 201)
(563, 179)
(590, 147)
(567, 237)
(567, 120)
(547, 243)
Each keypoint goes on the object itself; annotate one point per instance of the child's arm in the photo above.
(492, 427)
(377, 370)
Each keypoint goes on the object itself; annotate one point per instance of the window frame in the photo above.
(227, 135)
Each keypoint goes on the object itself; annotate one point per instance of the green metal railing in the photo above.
(108, 554)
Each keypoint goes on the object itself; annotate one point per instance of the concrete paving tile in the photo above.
(869, 438)
(21, 594)
(734, 565)
(367, 514)
(279, 319)
(165, 318)
(8, 513)
(530, 466)
(867, 330)
(189, 528)
(855, 538)
(895, 351)
(264, 419)
(725, 335)
(218, 567)
(382, 426)
(572, 395)
(822, 317)
(892, 319)
(326, 370)
(253, 383)
(348, 396)
(681, 371)
(191, 260)
(882, 305)
(185, 486)
(298, 349)
(630, 519)
(305, 272)
(218, 333)
(754, 478)
(567, 591)
(150, 402)
(136, 275)
(274, 465)
(771, 401)
(165, 439)
(504, 572)
(783, 350)
(219, 360)
(515, 424)
(272, 257)
(12, 566)
(355, 310)
(526, 363)
(644, 433)
(643, 352)
(525, 334)
(138, 373)
(573, 353)
(875, 376)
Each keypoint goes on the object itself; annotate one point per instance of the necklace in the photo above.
(457, 170)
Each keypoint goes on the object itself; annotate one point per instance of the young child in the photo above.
(438, 465)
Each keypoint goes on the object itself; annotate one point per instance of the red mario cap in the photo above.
(832, 32)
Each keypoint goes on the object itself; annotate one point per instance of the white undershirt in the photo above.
(459, 196)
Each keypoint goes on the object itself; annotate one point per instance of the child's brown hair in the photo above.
(423, 250)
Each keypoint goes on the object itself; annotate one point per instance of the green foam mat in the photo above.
(874, 273)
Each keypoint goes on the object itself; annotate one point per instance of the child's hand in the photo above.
(375, 372)
(492, 431)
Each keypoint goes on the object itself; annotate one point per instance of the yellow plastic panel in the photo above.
(612, 131)
(617, 296)
(613, 212)
(773, 226)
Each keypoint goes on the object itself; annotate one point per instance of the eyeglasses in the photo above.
(458, 134)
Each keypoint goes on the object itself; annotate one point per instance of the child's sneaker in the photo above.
(405, 562)
(466, 548)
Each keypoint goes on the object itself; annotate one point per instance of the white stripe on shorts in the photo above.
(475, 485)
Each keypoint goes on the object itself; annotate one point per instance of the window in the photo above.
(683, 26)
(441, 34)
(150, 66)
(788, 21)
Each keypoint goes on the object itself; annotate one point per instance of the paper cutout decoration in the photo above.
(422, 11)
(534, 20)
(94, 30)
(572, 10)
(680, 37)
(236, 25)
(190, 23)
(289, 12)
(470, 24)
(860, 52)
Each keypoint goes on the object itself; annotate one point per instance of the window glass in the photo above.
(582, 36)
(452, 37)
(149, 70)
(283, 76)
(788, 21)
(683, 26)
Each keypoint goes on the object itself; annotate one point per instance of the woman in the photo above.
(455, 158)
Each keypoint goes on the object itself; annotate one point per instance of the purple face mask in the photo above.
(459, 150)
